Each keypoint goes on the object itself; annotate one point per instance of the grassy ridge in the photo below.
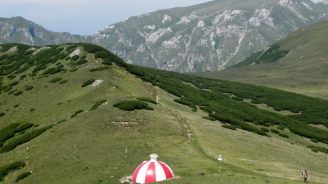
(210, 96)
(105, 144)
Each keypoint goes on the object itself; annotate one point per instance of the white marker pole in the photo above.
(220, 159)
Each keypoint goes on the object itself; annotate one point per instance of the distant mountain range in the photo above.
(20, 30)
(206, 37)
(298, 63)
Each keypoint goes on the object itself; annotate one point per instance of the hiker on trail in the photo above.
(305, 175)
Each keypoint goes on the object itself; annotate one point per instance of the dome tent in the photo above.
(152, 171)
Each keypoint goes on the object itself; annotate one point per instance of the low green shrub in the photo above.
(21, 139)
(73, 70)
(22, 176)
(146, 99)
(283, 135)
(28, 88)
(61, 121)
(97, 104)
(80, 62)
(53, 70)
(256, 102)
(3, 57)
(55, 80)
(314, 140)
(265, 129)
(209, 118)
(22, 127)
(88, 83)
(8, 132)
(2, 114)
(237, 98)
(76, 113)
(318, 149)
(5, 170)
(232, 127)
(63, 82)
(275, 131)
(74, 58)
(184, 101)
(281, 127)
(132, 105)
(107, 62)
(13, 83)
(12, 91)
(18, 93)
(11, 77)
(22, 77)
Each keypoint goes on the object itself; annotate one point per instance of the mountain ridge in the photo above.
(220, 29)
(20, 30)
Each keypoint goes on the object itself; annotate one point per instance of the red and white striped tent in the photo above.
(152, 171)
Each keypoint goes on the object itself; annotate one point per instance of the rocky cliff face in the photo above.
(209, 36)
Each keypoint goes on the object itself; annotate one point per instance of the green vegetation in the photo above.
(55, 80)
(2, 114)
(273, 54)
(5, 170)
(9, 131)
(63, 82)
(18, 93)
(223, 108)
(146, 99)
(107, 62)
(283, 135)
(13, 83)
(76, 113)
(28, 88)
(21, 139)
(132, 105)
(237, 98)
(88, 83)
(74, 58)
(22, 176)
(318, 149)
(97, 104)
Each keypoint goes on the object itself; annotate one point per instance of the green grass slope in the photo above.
(297, 63)
(76, 113)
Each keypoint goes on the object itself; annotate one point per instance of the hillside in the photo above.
(76, 113)
(20, 30)
(297, 63)
(206, 37)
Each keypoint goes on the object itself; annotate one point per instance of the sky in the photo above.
(83, 16)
